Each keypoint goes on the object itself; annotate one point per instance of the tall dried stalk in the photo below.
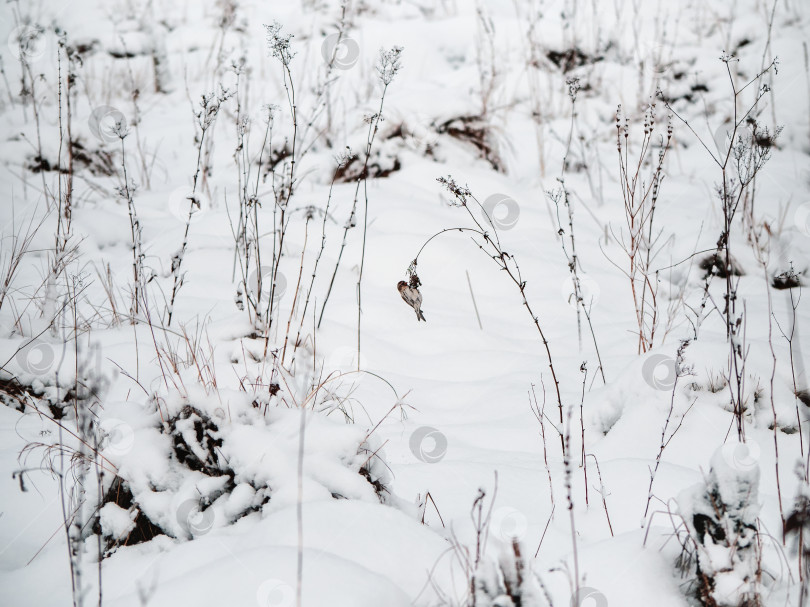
(640, 194)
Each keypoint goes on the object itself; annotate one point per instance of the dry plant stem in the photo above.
(572, 259)
(375, 125)
(602, 491)
(583, 461)
(135, 231)
(99, 547)
(485, 59)
(428, 496)
(351, 222)
(247, 235)
(773, 404)
(761, 252)
(209, 108)
(807, 79)
(341, 163)
(540, 414)
(5, 81)
(309, 215)
(679, 372)
(492, 247)
(640, 199)
(481, 525)
(26, 71)
(280, 47)
(749, 155)
(65, 519)
(299, 510)
(241, 155)
(791, 338)
(136, 120)
(534, 63)
(472, 297)
(573, 88)
(60, 259)
(14, 256)
(545, 529)
(84, 429)
(65, 198)
(570, 500)
(573, 264)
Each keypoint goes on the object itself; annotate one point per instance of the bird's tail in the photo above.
(420, 315)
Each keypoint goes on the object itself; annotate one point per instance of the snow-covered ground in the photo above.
(306, 454)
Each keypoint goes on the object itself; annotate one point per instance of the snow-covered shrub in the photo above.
(720, 514)
(498, 576)
(216, 469)
(798, 525)
(507, 582)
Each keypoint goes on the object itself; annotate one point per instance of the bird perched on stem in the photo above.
(412, 297)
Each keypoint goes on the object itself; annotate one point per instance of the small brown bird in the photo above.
(412, 297)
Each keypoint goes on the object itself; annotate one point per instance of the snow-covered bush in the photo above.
(720, 514)
(798, 525)
(507, 582)
(218, 468)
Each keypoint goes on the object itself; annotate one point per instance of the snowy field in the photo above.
(214, 394)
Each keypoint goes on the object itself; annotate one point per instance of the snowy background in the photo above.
(213, 394)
